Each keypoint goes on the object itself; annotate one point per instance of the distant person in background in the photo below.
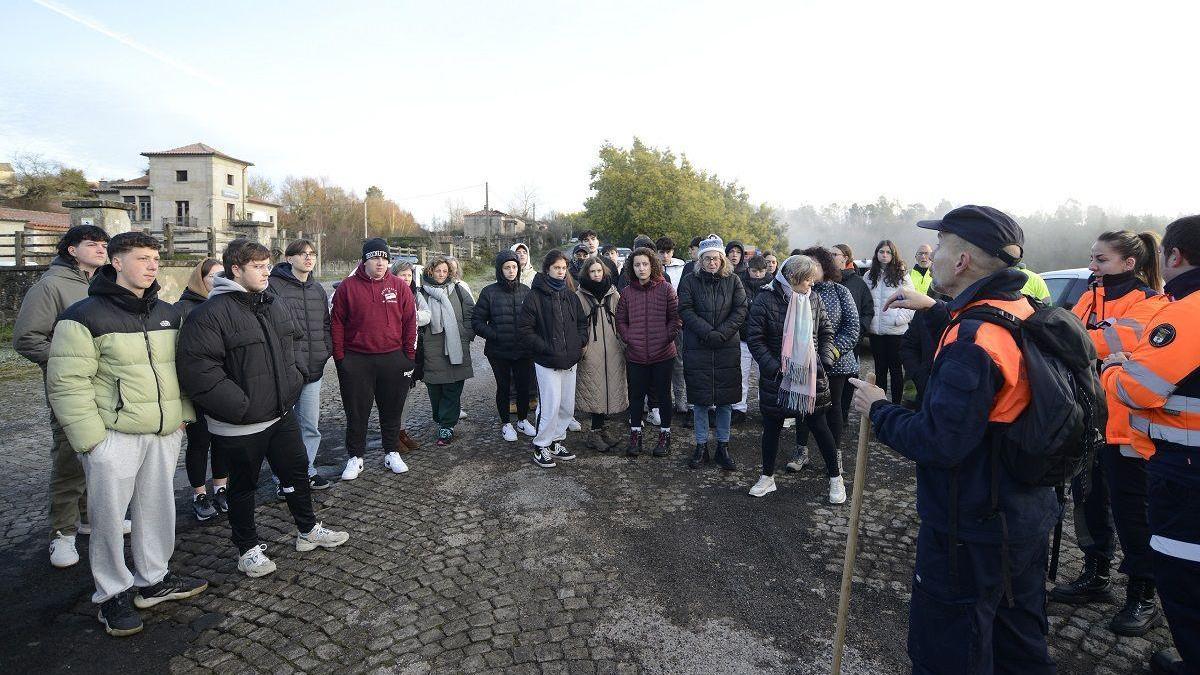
(1036, 287)
(611, 252)
(292, 282)
(199, 442)
(578, 255)
(404, 271)
(527, 270)
(843, 255)
(920, 275)
(445, 344)
(755, 278)
(495, 320)
(552, 323)
(81, 251)
(591, 242)
(693, 255)
(456, 273)
(736, 253)
(886, 276)
(712, 305)
(772, 263)
(601, 386)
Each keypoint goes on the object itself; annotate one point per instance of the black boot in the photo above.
(722, 457)
(1140, 612)
(1166, 662)
(664, 444)
(635, 443)
(699, 456)
(1093, 583)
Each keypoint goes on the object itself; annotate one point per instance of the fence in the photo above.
(27, 248)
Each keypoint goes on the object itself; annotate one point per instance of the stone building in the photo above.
(491, 222)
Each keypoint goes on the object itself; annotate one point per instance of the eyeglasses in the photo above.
(308, 254)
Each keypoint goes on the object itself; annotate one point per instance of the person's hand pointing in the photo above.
(909, 298)
(865, 394)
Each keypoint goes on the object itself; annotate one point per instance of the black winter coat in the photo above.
(920, 345)
(713, 310)
(236, 357)
(309, 307)
(753, 287)
(188, 301)
(854, 283)
(495, 316)
(765, 341)
(554, 324)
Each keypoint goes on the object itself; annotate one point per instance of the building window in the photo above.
(180, 176)
(182, 211)
(229, 179)
(272, 220)
(129, 200)
(229, 212)
(143, 208)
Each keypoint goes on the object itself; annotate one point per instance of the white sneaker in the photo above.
(255, 563)
(789, 423)
(354, 466)
(799, 459)
(508, 432)
(62, 551)
(320, 537)
(394, 462)
(462, 414)
(526, 428)
(574, 425)
(86, 528)
(764, 486)
(837, 491)
(654, 418)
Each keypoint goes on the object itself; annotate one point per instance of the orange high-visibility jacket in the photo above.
(998, 342)
(1167, 354)
(1115, 317)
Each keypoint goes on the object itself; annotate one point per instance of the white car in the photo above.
(1066, 286)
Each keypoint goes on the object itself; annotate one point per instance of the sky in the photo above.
(1021, 105)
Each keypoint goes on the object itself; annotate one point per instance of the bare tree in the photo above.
(523, 203)
(260, 187)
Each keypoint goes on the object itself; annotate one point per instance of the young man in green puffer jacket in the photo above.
(112, 385)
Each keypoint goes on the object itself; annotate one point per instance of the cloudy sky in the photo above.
(1018, 104)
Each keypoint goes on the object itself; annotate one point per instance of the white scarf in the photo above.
(441, 318)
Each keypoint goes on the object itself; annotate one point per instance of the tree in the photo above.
(524, 203)
(644, 190)
(313, 205)
(40, 184)
(260, 187)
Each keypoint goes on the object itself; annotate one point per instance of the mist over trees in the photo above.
(1058, 240)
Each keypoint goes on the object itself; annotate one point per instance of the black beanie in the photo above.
(375, 248)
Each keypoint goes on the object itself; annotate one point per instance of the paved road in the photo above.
(476, 560)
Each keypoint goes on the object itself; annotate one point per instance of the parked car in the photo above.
(1066, 286)
(622, 254)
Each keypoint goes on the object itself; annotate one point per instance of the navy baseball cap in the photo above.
(989, 229)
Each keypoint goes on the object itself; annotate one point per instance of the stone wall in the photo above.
(14, 281)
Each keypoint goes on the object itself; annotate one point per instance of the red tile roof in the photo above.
(42, 220)
(196, 150)
(490, 212)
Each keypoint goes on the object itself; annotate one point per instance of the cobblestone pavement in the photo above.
(476, 560)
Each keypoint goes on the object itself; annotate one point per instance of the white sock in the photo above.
(635, 428)
(666, 429)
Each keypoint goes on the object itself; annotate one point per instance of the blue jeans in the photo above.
(308, 414)
(700, 416)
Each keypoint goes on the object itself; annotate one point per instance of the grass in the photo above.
(13, 366)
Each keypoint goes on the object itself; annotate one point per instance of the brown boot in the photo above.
(408, 441)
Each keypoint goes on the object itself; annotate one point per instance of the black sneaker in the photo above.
(541, 457)
(202, 506)
(318, 482)
(279, 493)
(172, 587)
(561, 453)
(220, 499)
(119, 617)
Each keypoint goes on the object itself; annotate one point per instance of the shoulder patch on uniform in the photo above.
(1162, 335)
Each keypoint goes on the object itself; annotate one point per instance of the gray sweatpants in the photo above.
(134, 472)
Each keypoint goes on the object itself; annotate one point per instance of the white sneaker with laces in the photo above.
(255, 563)
(789, 423)
(574, 425)
(764, 486)
(526, 428)
(354, 466)
(561, 453)
(395, 462)
(542, 457)
(508, 432)
(62, 550)
(837, 491)
(320, 536)
(654, 418)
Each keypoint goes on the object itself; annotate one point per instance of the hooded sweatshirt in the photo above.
(373, 316)
(527, 272)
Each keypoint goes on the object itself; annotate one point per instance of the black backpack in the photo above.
(1058, 434)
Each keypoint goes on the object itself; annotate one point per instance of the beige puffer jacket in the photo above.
(600, 383)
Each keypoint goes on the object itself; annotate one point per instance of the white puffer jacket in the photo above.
(894, 321)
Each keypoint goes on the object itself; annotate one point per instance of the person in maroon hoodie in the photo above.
(374, 327)
(648, 321)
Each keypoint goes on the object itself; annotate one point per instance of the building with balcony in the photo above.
(195, 188)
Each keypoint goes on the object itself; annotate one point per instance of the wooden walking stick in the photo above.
(860, 481)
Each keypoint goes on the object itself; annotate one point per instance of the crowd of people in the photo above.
(630, 346)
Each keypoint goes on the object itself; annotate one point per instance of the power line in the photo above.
(436, 194)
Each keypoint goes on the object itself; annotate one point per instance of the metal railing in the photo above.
(181, 221)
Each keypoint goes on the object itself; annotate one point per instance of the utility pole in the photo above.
(486, 203)
(365, 198)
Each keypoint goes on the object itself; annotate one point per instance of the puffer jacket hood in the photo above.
(125, 382)
(503, 257)
(527, 271)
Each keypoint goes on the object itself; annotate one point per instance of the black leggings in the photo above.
(773, 426)
(198, 451)
(643, 377)
(889, 369)
(833, 414)
(511, 373)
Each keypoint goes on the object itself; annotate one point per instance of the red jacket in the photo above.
(373, 317)
(648, 321)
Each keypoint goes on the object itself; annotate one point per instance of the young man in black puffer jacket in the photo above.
(305, 298)
(236, 360)
(495, 320)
